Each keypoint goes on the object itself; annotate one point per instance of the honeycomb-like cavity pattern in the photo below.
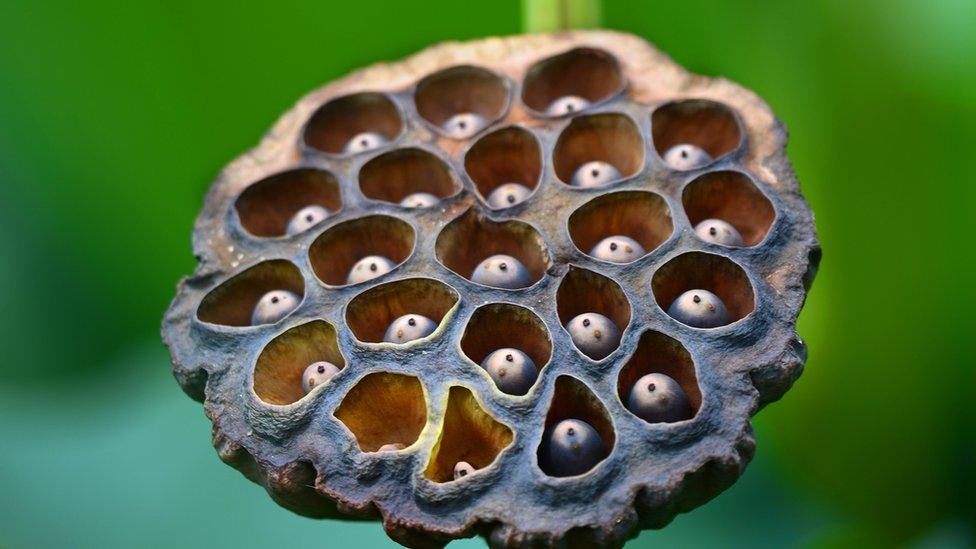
(383, 437)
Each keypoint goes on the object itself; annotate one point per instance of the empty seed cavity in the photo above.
(385, 412)
(470, 439)
(400, 311)
(597, 150)
(262, 294)
(658, 383)
(400, 176)
(281, 204)
(461, 101)
(354, 124)
(731, 203)
(505, 166)
(360, 249)
(568, 83)
(286, 365)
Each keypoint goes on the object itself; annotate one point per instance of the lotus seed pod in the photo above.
(419, 200)
(512, 370)
(574, 447)
(408, 328)
(369, 268)
(464, 125)
(364, 142)
(686, 157)
(699, 309)
(306, 218)
(595, 335)
(462, 469)
(507, 195)
(657, 398)
(618, 249)
(567, 104)
(318, 373)
(273, 306)
(597, 487)
(502, 271)
(596, 173)
(720, 232)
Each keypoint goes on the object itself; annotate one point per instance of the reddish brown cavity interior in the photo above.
(643, 216)
(706, 124)
(590, 73)
(266, 207)
(232, 303)
(279, 369)
(471, 238)
(468, 434)
(463, 89)
(510, 155)
(384, 408)
(612, 138)
(395, 175)
(335, 252)
(370, 313)
(332, 126)
(731, 197)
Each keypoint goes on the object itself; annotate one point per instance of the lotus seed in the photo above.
(657, 398)
(363, 142)
(408, 328)
(273, 306)
(567, 104)
(419, 200)
(595, 335)
(369, 268)
(502, 271)
(686, 157)
(306, 218)
(618, 249)
(699, 309)
(394, 447)
(573, 448)
(720, 232)
(464, 125)
(462, 469)
(507, 195)
(595, 174)
(512, 370)
(318, 373)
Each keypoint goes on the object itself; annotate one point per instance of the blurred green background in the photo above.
(115, 116)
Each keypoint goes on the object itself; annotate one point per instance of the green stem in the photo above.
(555, 15)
